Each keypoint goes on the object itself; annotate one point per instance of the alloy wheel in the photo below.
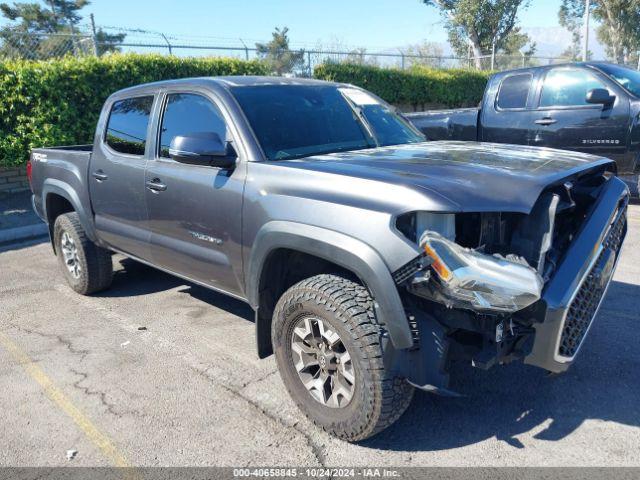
(322, 362)
(70, 255)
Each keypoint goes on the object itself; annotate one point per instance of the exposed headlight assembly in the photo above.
(481, 282)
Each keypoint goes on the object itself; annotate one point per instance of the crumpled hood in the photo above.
(470, 176)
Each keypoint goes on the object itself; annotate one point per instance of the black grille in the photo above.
(584, 306)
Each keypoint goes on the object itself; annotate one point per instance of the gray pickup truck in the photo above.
(373, 259)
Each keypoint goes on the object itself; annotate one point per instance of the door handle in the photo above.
(546, 121)
(100, 176)
(156, 185)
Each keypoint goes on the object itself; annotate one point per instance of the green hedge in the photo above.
(58, 102)
(417, 87)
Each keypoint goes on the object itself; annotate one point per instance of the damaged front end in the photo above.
(467, 278)
(493, 287)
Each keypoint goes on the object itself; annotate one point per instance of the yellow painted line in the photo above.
(99, 439)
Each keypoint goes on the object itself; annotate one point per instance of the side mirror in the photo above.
(600, 96)
(202, 148)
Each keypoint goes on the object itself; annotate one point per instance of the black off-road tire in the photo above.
(379, 396)
(96, 266)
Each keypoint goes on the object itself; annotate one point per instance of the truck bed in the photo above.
(457, 124)
(54, 166)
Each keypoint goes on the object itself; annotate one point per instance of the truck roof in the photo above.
(223, 82)
(596, 65)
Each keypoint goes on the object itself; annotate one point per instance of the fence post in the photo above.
(309, 63)
(94, 35)
(246, 50)
(401, 59)
(168, 44)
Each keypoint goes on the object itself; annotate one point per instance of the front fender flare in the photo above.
(348, 252)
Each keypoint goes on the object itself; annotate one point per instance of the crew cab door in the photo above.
(563, 118)
(116, 175)
(194, 210)
(506, 112)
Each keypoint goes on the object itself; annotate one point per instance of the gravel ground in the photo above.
(79, 373)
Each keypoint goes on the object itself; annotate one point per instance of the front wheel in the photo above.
(329, 349)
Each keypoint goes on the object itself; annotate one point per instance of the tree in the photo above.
(31, 33)
(479, 24)
(278, 55)
(619, 30)
(428, 54)
(567, 17)
(618, 26)
(517, 50)
(108, 42)
(337, 51)
(28, 18)
(32, 18)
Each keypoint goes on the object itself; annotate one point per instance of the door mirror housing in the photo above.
(202, 148)
(600, 96)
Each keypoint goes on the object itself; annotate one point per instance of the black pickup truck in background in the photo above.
(587, 107)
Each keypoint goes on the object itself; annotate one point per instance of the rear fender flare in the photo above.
(53, 186)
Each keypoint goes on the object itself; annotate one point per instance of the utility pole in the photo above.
(585, 34)
(94, 34)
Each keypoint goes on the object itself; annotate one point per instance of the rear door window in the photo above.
(127, 126)
(514, 91)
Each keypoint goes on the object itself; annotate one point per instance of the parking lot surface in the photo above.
(159, 372)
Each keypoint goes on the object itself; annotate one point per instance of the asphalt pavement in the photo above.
(18, 221)
(159, 372)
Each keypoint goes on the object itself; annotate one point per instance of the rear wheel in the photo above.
(329, 350)
(87, 267)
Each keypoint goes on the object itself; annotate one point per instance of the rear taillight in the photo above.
(29, 171)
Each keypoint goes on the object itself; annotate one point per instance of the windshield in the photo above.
(629, 79)
(295, 121)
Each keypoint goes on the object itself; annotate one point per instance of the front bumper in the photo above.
(572, 297)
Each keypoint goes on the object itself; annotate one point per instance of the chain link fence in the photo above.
(31, 46)
(35, 46)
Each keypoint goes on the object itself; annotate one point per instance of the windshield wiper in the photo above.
(365, 123)
(323, 152)
(357, 109)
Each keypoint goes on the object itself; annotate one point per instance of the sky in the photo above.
(375, 24)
